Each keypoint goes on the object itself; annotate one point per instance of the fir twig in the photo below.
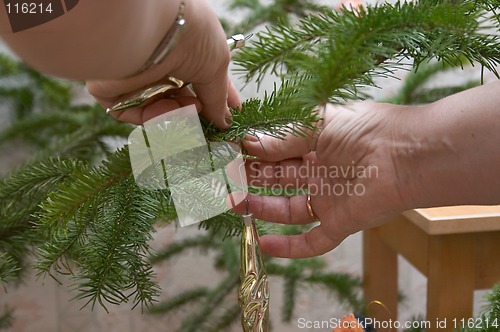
(197, 319)
(335, 54)
(6, 318)
(200, 242)
(176, 302)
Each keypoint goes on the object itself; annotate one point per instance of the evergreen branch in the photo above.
(417, 79)
(420, 31)
(36, 178)
(200, 242)
(8, 66)
(31, 127)
(43, 129)
(289, 295)
(21, 100)
(36, 92)
(275, 12)
(14, 249)
(223, 321)
(6, 318)
(278, 114)
(82, 143)
(490, 6)
(227, 223)
(490, 318)
(146, 290)
(166, 209)
(178, 301)
(351, 48)
(195, 321)
(343, 285)
(296, 268)
(20, 197)
(100, 219)
(112, 261)
(414, 91)
(52, 255)
(84, 190)
(229, 256)
(271, 50)
(493, 298)
(431, 95)
(9, 269)
(308, 271)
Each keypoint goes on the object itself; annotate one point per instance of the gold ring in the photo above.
(310, 209)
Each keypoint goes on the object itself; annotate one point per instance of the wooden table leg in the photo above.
(380, 276)
(450, 288)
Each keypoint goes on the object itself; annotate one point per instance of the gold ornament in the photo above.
(254, 288)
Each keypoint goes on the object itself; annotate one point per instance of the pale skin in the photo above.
(444, 153)
(104, 42)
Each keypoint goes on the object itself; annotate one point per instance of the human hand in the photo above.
(351, 169)
(201, 57)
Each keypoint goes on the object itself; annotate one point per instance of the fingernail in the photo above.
(251, 138)
(229, 117)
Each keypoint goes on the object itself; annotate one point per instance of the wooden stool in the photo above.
(456, 248)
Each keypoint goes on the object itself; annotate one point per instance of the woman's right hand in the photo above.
(350, 167)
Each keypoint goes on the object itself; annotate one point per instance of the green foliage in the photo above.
(6, 318)
(329, 57)
(28, 91)
(90, 218)
(76, 205)
(275, 12)
(9, 271)
(275, 114)
(415, 90)
(93, 222)
(20, 195)
(490, 319)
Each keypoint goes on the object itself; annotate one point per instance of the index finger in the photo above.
(214, 97)
(275, 149)
(285, 173)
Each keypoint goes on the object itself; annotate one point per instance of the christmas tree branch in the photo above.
(350, 48)
(178, 301)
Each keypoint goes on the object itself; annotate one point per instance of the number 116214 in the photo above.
(28, 8)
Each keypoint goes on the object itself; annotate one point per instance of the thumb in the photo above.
(275, 149)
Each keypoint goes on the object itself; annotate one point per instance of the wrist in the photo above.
(168, 41)
(414, 148)
(166, 15)
(448, 152)
(167, 27)
(186, 49)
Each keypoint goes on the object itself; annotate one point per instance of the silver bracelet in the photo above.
(168, 42)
